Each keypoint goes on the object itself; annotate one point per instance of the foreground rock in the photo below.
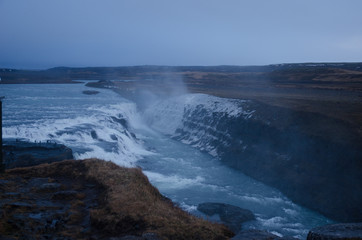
(24, 154)
(337, 231)
(92, 199)
(231, 216)
(90, 92)
(253, 234)
(31, 206)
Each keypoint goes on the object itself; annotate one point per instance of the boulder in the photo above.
(343, 231)
(231, 216)
(65, 195)
(90, 92)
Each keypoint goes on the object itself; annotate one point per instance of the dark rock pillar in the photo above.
(1, 135)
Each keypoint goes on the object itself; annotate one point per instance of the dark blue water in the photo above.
(91, 125)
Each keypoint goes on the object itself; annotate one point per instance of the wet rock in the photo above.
(113, 137)
(121, 121)
(24, 154)
(65, 195)
(101, 84)
(253, 234)
(4, 182)
(54, 223)
(90, 92)
(37, 216)
(231, 216)
(145, 236)
(48, 205)
(336, 231)
(130, 237)
(12, 195)
(94, 134)
(19, 205)
(50, 187)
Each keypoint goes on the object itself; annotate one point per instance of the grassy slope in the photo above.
(128, 203)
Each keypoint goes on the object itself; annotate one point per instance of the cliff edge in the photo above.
(92, 199)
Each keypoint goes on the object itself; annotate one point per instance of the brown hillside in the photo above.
(92, 199)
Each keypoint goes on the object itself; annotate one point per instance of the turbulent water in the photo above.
(110, 127)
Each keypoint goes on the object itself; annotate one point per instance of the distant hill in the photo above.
(66, 74)
(332, 89)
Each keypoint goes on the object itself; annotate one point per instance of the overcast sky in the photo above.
(49, 33)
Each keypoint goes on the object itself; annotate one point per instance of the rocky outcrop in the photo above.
(345, 231)
(37, 206)
(101, 84)
(24, 154)
(92, 199)
(253, 234)
(90, 92)
(231, 216)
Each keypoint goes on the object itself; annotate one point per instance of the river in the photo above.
(109, 127)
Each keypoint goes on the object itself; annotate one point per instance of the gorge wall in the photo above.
(312, 159)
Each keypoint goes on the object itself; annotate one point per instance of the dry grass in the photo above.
(128, 203)
(132, 202)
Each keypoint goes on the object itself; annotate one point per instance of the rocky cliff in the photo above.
(313, 159)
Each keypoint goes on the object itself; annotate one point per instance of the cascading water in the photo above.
(93, 126)
(109, 127)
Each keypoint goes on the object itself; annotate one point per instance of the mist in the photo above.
(149, 91)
